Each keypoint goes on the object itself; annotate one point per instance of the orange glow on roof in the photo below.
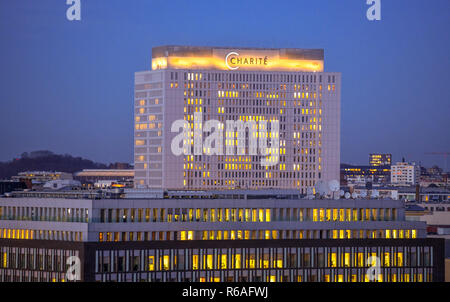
(218, 63)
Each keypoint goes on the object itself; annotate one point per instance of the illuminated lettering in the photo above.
(233, 60)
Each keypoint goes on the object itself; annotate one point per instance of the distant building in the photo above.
(100, 177)
(36, 179)
(62, 184)
(410, 194)
(360, 175)
(376, 160)
(428, 195)
(434, 171)
(7, 186)
(433, 177)
(120, 166)
(404, 173)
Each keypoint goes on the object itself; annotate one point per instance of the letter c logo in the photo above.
(226, 60)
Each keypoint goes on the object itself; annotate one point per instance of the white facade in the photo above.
(218, 215)
(307, 104)
(405, 173)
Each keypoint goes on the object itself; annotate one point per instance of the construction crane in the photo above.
(444, 154)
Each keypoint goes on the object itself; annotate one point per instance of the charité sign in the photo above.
(233, 60)
(238, 59)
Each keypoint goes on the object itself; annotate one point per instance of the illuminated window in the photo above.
(237, 261)
(355, 215)
(328, 214)
(335, 214)
(387, 261)
(267, 215)
(151, 263)
(195, 262)
(394, 234)
(223, 261)
(209, 261)
(315, 218)
(360, 260)
(341, 215)
(347, 259)
(332, 260)
(399, 259)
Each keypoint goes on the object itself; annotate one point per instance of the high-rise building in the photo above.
(255, 86)
(376, 160)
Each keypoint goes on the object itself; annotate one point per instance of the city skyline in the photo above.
(249, 142)
(97, 86)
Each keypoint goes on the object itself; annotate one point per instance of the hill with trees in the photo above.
(46, 161)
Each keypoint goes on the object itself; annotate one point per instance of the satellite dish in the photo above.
(394, 195)
(364, 193)
(341, 193)
(375, 194)
(321, 188)
(354, 195)
(333, 185)
(347, 195)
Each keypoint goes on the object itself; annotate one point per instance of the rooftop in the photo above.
(233, 58)
(105, 172)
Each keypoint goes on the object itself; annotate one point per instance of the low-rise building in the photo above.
(36, 179)
(105, 177)
(360, 175)
(7, 186)
(218, 236)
